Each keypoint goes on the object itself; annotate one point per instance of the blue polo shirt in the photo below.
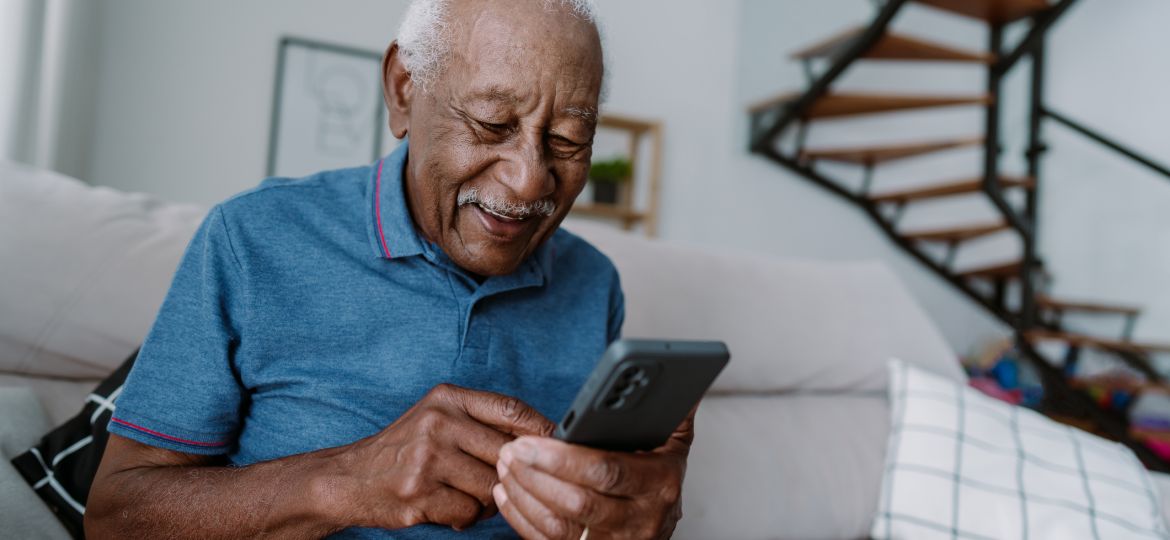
(309, 314)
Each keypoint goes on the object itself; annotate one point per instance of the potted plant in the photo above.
(606, 176)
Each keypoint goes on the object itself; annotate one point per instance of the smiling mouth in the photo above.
(503, 217)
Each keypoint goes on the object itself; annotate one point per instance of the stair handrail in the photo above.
(1078, 127)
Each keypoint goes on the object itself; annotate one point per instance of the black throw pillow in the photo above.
(61, 467)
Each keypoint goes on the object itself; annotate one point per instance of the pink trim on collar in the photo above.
(378, 210)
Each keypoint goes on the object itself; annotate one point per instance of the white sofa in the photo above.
(790, 441)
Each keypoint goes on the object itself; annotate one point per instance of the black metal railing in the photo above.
(1106, 141)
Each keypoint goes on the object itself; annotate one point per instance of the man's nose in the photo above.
(527, 171)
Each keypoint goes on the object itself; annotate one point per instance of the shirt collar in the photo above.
(395, 236)
(394, 232)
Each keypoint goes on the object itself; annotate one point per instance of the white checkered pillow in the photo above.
(963, 465)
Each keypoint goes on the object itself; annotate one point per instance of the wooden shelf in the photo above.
(892, 47)
(627, 123)
(613, 211)
(624, 210)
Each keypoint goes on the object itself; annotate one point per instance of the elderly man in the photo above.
(376, 352)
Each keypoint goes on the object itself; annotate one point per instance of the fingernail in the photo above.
(500, 495)
(501, 469)
(506, 454)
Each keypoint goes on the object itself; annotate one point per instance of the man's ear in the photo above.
(397, 90)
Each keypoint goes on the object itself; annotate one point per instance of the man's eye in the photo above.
(565, 146)
(567, 141)
(495, 128)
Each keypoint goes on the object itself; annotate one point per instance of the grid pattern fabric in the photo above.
(962, 465)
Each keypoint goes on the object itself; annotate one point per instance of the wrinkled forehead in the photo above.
(527, 46)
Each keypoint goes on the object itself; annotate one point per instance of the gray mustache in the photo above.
(500, 205)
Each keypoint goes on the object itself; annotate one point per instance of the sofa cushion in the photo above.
(784, 467)
(22, 514)
(61, 466)
(85, 270)
(812, 325)
(61, 398)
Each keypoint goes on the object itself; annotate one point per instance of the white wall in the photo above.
(1106, 220)
(20, 53)
(69, 70)
(183, 104)
(184, 97)
(48, 58)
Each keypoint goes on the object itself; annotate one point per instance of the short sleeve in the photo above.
(617, 310)
(184, 393)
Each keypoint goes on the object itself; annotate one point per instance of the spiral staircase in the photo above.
(1013, 290)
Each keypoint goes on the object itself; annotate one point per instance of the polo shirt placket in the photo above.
(398, 238)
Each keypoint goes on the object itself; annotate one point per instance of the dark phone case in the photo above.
(640, 391)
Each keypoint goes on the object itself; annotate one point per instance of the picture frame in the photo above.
(327, 108)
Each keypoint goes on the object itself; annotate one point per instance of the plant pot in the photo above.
(605, 192)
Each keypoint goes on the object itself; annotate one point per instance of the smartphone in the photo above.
(640, 391)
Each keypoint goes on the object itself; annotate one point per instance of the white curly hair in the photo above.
(423, 40)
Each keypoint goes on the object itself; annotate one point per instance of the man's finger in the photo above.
(682, 437)
(468, 474)
(453, 507)
(514, 517)
(478, 440)
(581, 504)
(535, 511)
(444, 506)
(612, 473)
(504, 413)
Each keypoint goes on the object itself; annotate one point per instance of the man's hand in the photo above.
(552, 489)
(436, 463)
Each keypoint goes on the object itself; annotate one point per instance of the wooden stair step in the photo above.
(1054, 304)
(960, 187)
(996, 271)
(1150, 435)
(1117, 383)
(992, 11)
(767, 104)
(850, 104)
(891, 47)
(956, 234)
(873, 155)
(1108, 344)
